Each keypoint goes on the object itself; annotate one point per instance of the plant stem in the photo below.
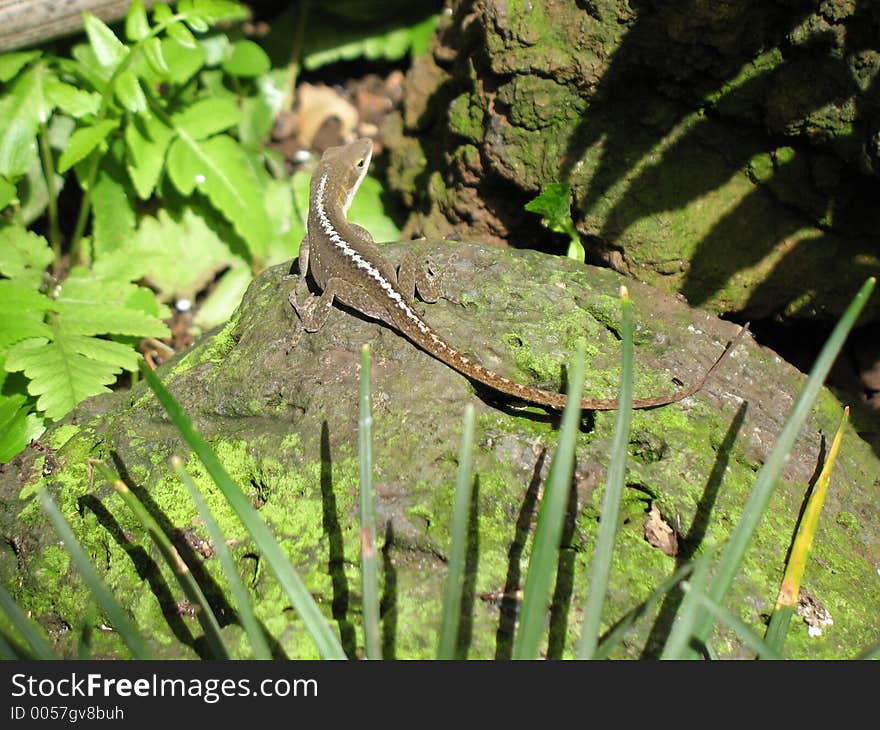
(52, 193)
(85, 207)
(295, 54)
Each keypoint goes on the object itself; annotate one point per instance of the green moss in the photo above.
(291, 442)
(847, 520)
(466, 117)
(757, 68)
(784, 155)
(61, 435)
(215, 349)
(761, 168)
(537, 103)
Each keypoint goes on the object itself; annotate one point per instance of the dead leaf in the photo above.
(659, 534)
(815, 615)
(317, 104)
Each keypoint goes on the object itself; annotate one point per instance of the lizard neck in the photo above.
(330, 215)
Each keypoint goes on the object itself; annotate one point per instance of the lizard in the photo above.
(345, 263)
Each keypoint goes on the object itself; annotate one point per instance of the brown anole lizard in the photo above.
(347, 266)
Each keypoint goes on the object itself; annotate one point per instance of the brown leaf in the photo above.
(658, 532)
(319, 103)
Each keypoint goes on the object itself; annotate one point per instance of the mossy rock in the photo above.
(727, 154)
(279, 406)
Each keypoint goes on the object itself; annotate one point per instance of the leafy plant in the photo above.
(162, 131)
(125, 120)
(554, 207)
(789, 590)
(332, 42)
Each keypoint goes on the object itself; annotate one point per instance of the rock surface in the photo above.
(285, 426)
(726, 152)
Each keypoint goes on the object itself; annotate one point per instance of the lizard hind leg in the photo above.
(313, 312)
(418, 273)
(313, 309)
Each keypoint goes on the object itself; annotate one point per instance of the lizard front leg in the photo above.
(314, 311)
(418, 273)
(300, 292)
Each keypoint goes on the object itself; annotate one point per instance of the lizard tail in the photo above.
(662, 400)
(446, 353)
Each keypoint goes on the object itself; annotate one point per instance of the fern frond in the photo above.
(219, 168)
(69, 368)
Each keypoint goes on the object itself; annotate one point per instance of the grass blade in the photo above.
(601, 564)
(545, 548)
(745, 634)
(324, 637)
(455, 577)
(768, 476)
(86, 631)
(615, 636)
(369, 570)
(116, 615)
(678, 643)
(249, 622)
(9, 650)
(191, 589)
(790, 588)
(36, 642)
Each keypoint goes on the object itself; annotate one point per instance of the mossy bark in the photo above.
(726, 151)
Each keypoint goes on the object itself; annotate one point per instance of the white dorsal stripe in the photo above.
(370, 270)
(361, 263)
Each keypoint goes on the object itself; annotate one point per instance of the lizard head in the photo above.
(346, 167)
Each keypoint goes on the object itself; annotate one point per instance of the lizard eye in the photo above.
(360, 162)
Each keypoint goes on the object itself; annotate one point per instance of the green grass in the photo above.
(452, 597)
(601, 566)
(369, 570)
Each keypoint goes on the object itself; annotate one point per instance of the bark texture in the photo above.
(728, 151)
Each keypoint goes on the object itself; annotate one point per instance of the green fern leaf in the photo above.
(21, 313)
(177, 256)
(22, 327)
(24, 255)
(213, 11)
(146, 140)
(69, 368)
(129, 92)
(183, 61)
(60, 357)
(337, 41)
(113, 216)
(109, 50)
(90, 304)
(246, 60)
(154, 56)
(71, 100)
(208, 117)
(17, 425)
(22, 110)
(16, 297)
(12, 63)
(83, 141)
(219, 168)
(137, 27)
(176, 30)
(8, 192)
